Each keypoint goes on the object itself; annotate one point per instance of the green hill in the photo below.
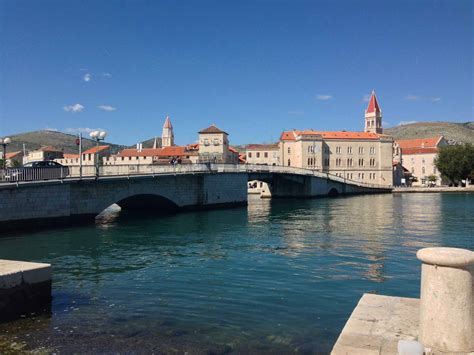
(62, 141)
(453, 132)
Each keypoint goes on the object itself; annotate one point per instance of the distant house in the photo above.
(418, 157)
(44, 153)
(214, 147)
(268, 154)
(14, 159)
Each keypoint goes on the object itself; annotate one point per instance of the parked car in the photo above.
(37, 170)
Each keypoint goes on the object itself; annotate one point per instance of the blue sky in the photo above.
(252, 68)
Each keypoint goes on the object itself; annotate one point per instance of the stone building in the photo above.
(359, 156)
(268, 154)
(43, 153)
(167, 136)
(418, 157)
(147, 156)
(373, 116)
(14, 159)
(214, 147)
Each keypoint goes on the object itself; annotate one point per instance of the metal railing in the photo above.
(15, 175)
(33, 174)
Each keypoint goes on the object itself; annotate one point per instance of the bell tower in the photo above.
(373, 116)
(167, 137)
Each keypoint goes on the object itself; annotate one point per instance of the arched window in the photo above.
(289, 161)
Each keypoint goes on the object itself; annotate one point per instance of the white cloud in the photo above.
(323, 97)
(73, 108)
(417, 98)
(107, 75)
(366, 98)
(82, 130)
(87, 77)
(296, 112)
(107, 108)
(403, 123)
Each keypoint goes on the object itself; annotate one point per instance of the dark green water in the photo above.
(274, 277)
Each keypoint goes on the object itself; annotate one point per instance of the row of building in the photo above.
(369, 156)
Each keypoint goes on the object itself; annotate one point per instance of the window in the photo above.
(361, 162)
(338, 161)
(326, 161)
(423, 160)
(289, 151)
(250, 154)
(206, 141)
(123, 158)
(434, 169)
(265, 154)
(311, 149)
(309, 161)
(349, 162)
(338, 150)
(326, 150)
(258, 154)
(289, 161)
(349, 150)
(372, 161)
(372, 150)
(361, 150)
(216, 141)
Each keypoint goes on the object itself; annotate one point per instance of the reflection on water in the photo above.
(278, 276)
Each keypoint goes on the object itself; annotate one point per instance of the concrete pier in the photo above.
(441, 322)
(24, 288)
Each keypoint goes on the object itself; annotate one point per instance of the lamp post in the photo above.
(4, 142)
(97, 136)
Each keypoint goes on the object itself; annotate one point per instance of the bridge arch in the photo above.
(147, 202)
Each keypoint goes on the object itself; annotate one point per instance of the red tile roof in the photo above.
(410, 151)
(133, 152)
(373, 104)
(233, 150)
(95, 150)
(291, 135)
(70, 156)
(167, 123)
(262, 146)
(419, 143)
(49, 149)
(173, 151)
(12, 155)
(212, 129)
(242, 158)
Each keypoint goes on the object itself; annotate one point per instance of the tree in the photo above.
(456, 162)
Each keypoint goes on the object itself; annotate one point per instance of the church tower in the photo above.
(373, 116)
(167, 137)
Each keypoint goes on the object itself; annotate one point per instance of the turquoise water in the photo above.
(277, 276)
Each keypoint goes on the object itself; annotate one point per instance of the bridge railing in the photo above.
(90, 171)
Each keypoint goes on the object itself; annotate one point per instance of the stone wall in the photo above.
(74, 198)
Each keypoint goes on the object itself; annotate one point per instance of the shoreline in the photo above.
(469, 189)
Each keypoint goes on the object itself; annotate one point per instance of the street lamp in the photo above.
(97, 136)
(5, 141)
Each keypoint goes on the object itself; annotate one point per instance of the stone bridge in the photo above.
(158, 190)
